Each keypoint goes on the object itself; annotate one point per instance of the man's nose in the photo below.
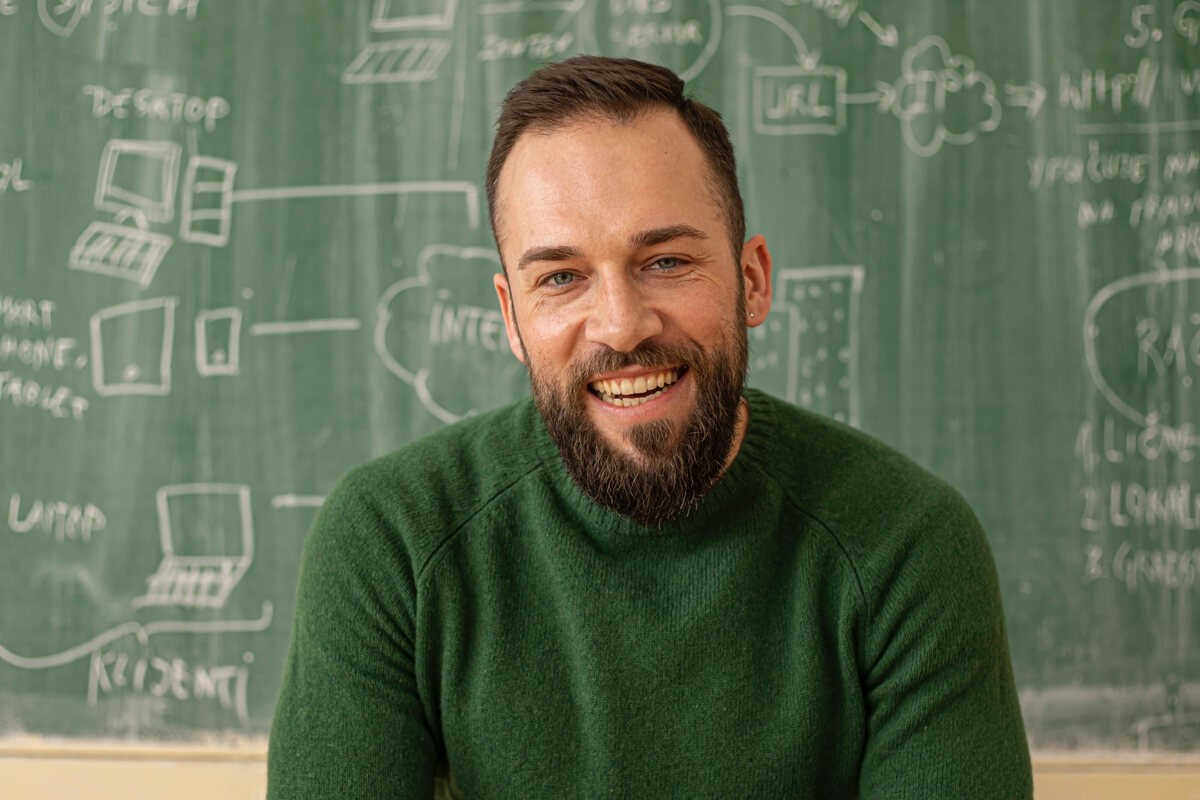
(621, 317)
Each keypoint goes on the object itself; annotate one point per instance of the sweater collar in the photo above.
(733, 489)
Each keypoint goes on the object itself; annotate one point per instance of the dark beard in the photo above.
(675, 464)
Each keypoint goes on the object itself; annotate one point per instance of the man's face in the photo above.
(625, 302)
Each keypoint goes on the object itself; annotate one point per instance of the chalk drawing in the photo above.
(932, 78)
(119, 251)
(402, 61)
(436, 328)
(401, 15)
(207, 536)
(142, 632)
(683, 37)
(1134, 340)
(207, 201)
(131, 347)
(218, 341)
(793, 100)
(821, 330)
(304, 326)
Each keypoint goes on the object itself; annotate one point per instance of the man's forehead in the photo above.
(549, 166)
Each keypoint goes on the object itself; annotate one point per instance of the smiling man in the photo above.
(648, 580)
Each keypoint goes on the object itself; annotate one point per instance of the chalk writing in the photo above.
(64, 521)
(1181, 165)
(1099, 166)
(1175, 349)
(61, 17)
(58, 401)
(470, 324)
(840, 11)
(1115, 441)
(799, 99)
(176, 107)
(22, 312)
(1132, 505)
(112, 672)
(685, 36)
(654, 34)
(1182, 241)
(39, 353)
(1158, 208)
(1138, 568)
(534, 45)
(1185, 22)
(1096, 88)
(10, 177)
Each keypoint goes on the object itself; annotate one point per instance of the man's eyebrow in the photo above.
(647, 238)
(656, 236)
(548, 253)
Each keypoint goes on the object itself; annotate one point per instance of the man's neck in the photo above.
(739, 432)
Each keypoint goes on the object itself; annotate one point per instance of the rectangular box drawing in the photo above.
(207, 535)
(822, 304)
(131, 348)
(402, 15)
(206, 212)
(798, 100)
(138, 177)
(119, 251)
(218, 341)
(404, 61)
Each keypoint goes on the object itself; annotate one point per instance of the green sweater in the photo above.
(827, 624)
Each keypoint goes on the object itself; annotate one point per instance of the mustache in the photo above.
(649, 354)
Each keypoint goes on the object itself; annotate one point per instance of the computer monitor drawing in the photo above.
(139, 177)
(400, 15)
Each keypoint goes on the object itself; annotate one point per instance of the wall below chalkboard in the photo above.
(36, 771)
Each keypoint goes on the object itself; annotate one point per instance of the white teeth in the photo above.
(616, 390)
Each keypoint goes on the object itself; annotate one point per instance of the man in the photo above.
(647, 581)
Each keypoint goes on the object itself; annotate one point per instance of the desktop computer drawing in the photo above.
(136, 183)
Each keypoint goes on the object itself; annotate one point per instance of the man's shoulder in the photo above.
(866, 493)
(816, 453)
(425, 490)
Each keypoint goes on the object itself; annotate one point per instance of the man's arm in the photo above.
(349, 722)
(942, 713)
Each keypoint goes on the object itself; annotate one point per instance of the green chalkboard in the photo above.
(243, 247)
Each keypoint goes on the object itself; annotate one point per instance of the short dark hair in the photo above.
(620, 89)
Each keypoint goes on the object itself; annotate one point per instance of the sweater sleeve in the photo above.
(943, 720)
(349, 722)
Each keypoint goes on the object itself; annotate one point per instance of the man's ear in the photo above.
(756, 279)
(500, 281)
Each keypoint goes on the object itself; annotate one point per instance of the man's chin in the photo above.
(646, 445)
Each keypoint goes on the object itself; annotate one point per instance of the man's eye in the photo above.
(667, 262)
(559, 279)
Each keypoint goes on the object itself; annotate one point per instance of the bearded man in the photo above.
(649, 580)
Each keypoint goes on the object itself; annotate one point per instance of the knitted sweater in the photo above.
(826, 624)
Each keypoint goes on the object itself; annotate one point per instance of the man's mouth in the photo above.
(629, 392)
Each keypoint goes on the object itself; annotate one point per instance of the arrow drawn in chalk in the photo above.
(884, 97)
(1029, 96)
(885, 34)
(808, 59)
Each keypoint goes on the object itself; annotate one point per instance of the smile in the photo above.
(629, 392)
